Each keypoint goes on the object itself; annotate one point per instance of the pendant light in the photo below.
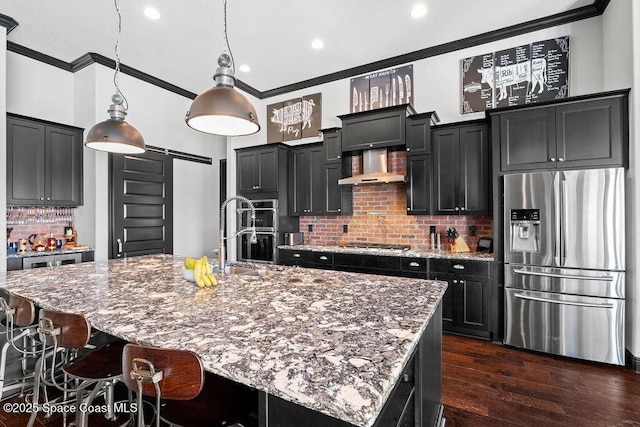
(115, 135)
(222, 110)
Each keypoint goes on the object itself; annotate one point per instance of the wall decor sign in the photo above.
(382, 89)
(294, 119)
(521, 75)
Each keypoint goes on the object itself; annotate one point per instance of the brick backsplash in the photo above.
(44, 221)
(380, 216)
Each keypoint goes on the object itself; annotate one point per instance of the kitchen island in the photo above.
(322, 348)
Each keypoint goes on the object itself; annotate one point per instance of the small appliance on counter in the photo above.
(293, 239)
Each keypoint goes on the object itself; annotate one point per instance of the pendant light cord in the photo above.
(226, 39)
(116, 74)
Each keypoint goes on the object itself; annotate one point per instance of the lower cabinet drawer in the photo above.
(462, 267)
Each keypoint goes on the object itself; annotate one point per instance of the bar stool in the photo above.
(177, 380)
(67, 333)
(20, 332)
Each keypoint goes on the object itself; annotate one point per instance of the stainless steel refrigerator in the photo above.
(564, 263)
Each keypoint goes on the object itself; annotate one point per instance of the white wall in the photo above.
(38, 90)
(3, 138)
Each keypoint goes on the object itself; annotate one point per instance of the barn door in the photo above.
(141, 204)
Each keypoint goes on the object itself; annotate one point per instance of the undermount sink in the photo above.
(245, 271)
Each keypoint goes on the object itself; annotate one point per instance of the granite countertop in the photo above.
(47, 252)
(331, 341)
(475, 256)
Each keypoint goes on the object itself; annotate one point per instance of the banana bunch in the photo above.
(202, 272)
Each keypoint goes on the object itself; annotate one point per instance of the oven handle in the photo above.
(563, 276)
(581, 304)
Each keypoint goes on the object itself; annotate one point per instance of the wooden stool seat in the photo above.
(186, 398)
(101, 364)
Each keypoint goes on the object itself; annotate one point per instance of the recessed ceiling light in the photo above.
(317, 44)
(419, 10)
(244, 68)
(151, 12)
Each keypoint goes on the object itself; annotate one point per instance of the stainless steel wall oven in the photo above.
(267, 232)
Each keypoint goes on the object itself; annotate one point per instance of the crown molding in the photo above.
(8, 22)
(596, 9)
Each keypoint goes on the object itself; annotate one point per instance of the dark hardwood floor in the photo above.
(485, 384)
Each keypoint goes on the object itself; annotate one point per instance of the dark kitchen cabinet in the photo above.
(44, 163)
(419, 133)
(461, 169)
(308, 259)
(419, 185)
(466, 303)
(338, 198)
(585, 132)
(262, 169)
(384, 127)
(332, 140)
(308, 186)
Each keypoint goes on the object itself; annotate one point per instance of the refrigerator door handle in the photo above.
(557, 200)
(563, 199)
(576, 303)
(564, 276)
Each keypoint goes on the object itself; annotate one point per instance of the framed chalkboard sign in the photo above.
(520, 75)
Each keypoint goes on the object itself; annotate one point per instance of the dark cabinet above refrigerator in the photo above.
(583, 132)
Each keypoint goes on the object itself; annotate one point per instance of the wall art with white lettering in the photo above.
(294, 119)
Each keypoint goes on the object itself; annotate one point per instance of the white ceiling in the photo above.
(272, 36)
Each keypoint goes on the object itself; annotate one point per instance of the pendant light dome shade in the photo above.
(115, 135)
(222, 110)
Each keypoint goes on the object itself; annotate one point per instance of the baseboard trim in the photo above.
(632, 361)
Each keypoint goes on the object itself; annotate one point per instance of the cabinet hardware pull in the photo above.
(324, 258)
(339, 210)
(560, 159)
(48, 198)
(119, 242)
(405, 377)
(458, 266)
(338, 156)
(408, 208)
(553, 159)
(462, 282)
(41, 198)
(462, 208)
(456, 209)
(296, 255)
(455, 281)
(408, 149)
(414, 264)
(370, 145)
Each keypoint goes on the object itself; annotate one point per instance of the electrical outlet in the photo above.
(310, 228)
(473, 230)
(345, 228)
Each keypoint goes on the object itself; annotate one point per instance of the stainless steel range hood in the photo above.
(374, 167)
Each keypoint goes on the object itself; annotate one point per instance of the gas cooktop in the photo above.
(367, 245)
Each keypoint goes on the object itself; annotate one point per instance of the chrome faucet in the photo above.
(253, 239)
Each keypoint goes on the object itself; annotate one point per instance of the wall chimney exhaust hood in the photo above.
(374, 167)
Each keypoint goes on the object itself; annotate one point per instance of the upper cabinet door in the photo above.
(591, 133)
(63, 151)
(268, 170)
(247, 172)
(25, 162)
(446, 161)
(474, 181)
(528, 139)
(332, 145)
(419, 135)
